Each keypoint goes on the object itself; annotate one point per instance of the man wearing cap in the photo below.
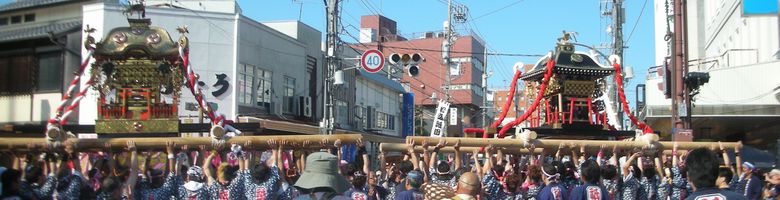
(750, 184)
(321, 179)
(412, 184)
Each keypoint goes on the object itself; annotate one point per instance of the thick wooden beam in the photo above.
(258, 142)
(390, 147)
(550, 143)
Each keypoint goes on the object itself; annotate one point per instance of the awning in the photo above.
(382, 80)
(39, 30)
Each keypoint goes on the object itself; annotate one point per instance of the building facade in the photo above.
(270, 69)
(40, 48)
(740, 53)
(467, 55)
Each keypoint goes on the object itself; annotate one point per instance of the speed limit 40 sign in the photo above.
(372, 60)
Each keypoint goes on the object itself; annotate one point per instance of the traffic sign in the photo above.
(372, 61)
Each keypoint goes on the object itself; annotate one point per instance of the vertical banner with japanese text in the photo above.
(437, 130)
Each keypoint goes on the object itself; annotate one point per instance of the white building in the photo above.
(741, 100)
(36, 66)
(272, 68)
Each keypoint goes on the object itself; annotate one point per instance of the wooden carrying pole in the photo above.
(258, 142)
(390, 147)
(554, 144)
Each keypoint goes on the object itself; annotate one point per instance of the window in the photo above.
(29, 17)
(16, 19)
(17, 75)
(385, 121)
(245, 82)
(3, 21)
(289, 94)
(263, 81)
(49, 72)
(360, 117)
(341, 112)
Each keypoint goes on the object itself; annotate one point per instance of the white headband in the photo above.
(550, 177)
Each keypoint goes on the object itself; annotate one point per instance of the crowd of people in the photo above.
(288, 171)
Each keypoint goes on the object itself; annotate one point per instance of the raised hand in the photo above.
(489, 149)
(272, 144)
(325, 142)
(337, 143)
(441, 143)
(360, 143)
(457, 146)
(70, 147)
(131, 145)
(169, 145)
(410, 146)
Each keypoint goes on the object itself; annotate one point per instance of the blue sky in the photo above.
(508, 26)
(525, 26)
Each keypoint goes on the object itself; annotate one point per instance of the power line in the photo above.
(369, 7)
(495, 11)
(477, 53)
(636, 22)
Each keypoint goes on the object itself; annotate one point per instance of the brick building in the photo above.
(467, 55)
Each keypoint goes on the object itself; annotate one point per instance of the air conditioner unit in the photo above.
(305, 106)
(369, 117)
(289, 105)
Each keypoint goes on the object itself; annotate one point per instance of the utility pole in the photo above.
(332, 62)
(485, 76)
(679, 57)
(459, 11)
(618, 19)
(445, 55)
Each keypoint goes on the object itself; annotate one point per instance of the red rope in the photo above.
(508, 103)
(198, 95)
(475, 130)
(61, 109)
(550, 65)
(639, 124)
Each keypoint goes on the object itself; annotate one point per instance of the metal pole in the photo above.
(617, 47)
(678, 60)
(331, 58)
(484, 90)
(687, 122)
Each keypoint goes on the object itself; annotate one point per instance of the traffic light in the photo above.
(413, 70)
(694, 80)
(408, 61)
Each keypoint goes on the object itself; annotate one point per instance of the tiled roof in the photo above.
(39, 31)
(22, 4)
